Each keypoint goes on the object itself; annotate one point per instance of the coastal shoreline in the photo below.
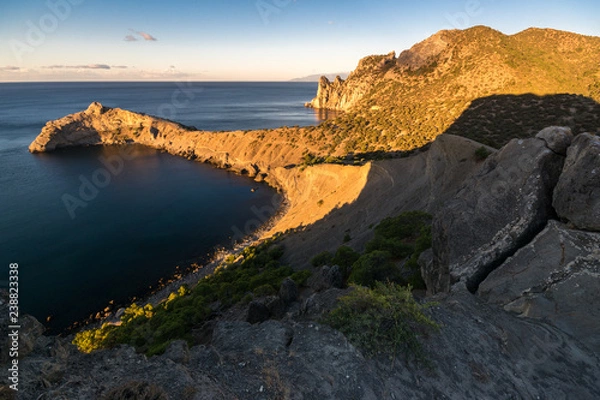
(188, 276)
(305, 197)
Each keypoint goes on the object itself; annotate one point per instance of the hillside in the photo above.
(401, 102)
(453, 270)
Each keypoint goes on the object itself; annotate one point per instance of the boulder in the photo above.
(257, 312)
(275, 305)
(557, 138)
(556, 279)
(577, 194)
(288, 291)
(497, 211)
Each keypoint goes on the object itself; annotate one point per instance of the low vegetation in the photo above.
(390, 256)
(150, 329)
(384, 319)
(380, 315)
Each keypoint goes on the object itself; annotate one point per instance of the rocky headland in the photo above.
(513, 268)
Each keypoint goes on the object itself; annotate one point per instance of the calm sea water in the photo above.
(155, 213)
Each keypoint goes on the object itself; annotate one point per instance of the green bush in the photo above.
(405, 226)
(395, 246)
(321, 259)
(300, 277)
(345, 256)
(482, 153)
(384, 319)
(374, 267)
(403, 237)
(264, 290)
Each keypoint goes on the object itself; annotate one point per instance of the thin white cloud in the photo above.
(144, 35)
(89, 66)
(10, 68)
(147, 36)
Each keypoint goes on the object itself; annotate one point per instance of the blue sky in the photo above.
(243, 39)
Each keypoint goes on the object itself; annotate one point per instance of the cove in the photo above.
(111, 221)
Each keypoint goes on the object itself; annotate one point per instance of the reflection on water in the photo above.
(322, 114)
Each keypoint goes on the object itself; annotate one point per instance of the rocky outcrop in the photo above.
(263, 155)
(577, 195)
(555, 278)
(498, 210)
(480, 352)
(344, 94)
(557, 138)
(423, 54)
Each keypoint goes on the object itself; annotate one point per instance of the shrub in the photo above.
(323, 258)
(403, 237)
(345, 256)
(373, 267)
(395, 246)
(384, 319)
(264, 290)
(482, 153)
(300, 277)
(405, 226)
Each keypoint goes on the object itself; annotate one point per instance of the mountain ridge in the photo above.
(419, 93)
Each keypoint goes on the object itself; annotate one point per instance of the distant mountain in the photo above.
(316, 77)
(402, 102)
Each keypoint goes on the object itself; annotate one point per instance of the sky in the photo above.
(243, 40)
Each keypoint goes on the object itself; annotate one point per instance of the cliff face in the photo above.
(344, 94)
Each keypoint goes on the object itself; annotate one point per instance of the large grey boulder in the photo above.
(577, 195)
(556, 278)
(497, 211)
(557, 138)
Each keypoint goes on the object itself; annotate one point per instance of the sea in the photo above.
(150, 216)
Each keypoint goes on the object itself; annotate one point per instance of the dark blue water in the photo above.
(151, 213)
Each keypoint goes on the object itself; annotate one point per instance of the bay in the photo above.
(156, 213)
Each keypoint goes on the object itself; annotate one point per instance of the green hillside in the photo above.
(404, 102)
